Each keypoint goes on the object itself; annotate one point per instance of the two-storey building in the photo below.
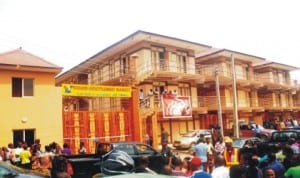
(173, 85)
(29, 100)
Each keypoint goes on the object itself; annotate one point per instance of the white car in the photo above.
(190, 139)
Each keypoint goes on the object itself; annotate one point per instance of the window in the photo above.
(22, 87)
(181, 60)
(27, 135)
(158, 57)
(125, 65)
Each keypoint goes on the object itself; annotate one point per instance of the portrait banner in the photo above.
(176, 106)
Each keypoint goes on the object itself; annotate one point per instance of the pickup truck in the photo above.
(282, 137)
(88, 165)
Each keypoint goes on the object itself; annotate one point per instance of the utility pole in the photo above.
(235, 104)
(220, 119)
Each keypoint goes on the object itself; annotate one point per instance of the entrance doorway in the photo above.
(26, 135)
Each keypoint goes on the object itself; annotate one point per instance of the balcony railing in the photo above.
(210, 102)
(142, 70)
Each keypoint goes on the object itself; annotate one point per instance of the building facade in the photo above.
(174, 88)
(29, 100)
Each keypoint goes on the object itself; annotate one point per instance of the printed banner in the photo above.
(176, 106)
(95, 90)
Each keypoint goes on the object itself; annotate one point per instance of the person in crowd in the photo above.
(46, 160)
(25, 157)
(11, 153)
(177, 167)
(280, 156)
(201, 151)
(257, 130)
(237, 171)
(36, 145)
(141, 96)
(101, 149)
(166, 170)
(196, 169)
(60, 168)
(289, 156)
(220, 145)
(210, 146)
(66, 149)
(82, 150)
(210, 163)
(18, 149)
(294, 145)
(276, 165)
(293, 171)
(35, 157)
(220, 170)
(55, 148)
(252, 169)
(231, 154)
(166, 153)
(186, 166)
(6, 155)
(143, 166)
(164, 135)
(269, 173)
(149, 96)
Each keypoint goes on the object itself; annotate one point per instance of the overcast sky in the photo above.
(67, 32)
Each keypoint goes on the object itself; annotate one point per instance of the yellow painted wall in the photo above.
(43, 110)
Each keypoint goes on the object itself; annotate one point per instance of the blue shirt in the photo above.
(201, 174)
(201, 150)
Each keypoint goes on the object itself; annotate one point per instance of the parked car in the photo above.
(265, 133)
(246, 142)
(136, 150)
(282, 137)
(247, 130)
(9, 170)
(189, 139)
(292, 128)
(90, 164)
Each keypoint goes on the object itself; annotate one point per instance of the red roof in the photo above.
(22, 58)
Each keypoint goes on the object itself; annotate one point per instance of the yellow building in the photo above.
(147, 61)
(30, 103)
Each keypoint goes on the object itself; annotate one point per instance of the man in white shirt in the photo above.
(220, 170)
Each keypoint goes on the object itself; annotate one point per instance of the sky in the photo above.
(67, 32)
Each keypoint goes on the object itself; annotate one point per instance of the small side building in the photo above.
(29, 100)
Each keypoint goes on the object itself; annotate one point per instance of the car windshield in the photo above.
(238, 143)
(189, 134)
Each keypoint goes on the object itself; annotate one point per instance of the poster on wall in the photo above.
(176, 106)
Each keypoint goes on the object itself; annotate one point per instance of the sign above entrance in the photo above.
(95, 90)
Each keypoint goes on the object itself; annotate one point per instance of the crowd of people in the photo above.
(49, 161)
(219, 159)
(212, 158)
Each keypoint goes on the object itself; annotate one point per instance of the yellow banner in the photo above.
(95, 90)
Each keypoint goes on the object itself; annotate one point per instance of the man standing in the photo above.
(220, 171)
(201, 151)
(166, 153)
(231, 154)
(195, 165)
(164, 136)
